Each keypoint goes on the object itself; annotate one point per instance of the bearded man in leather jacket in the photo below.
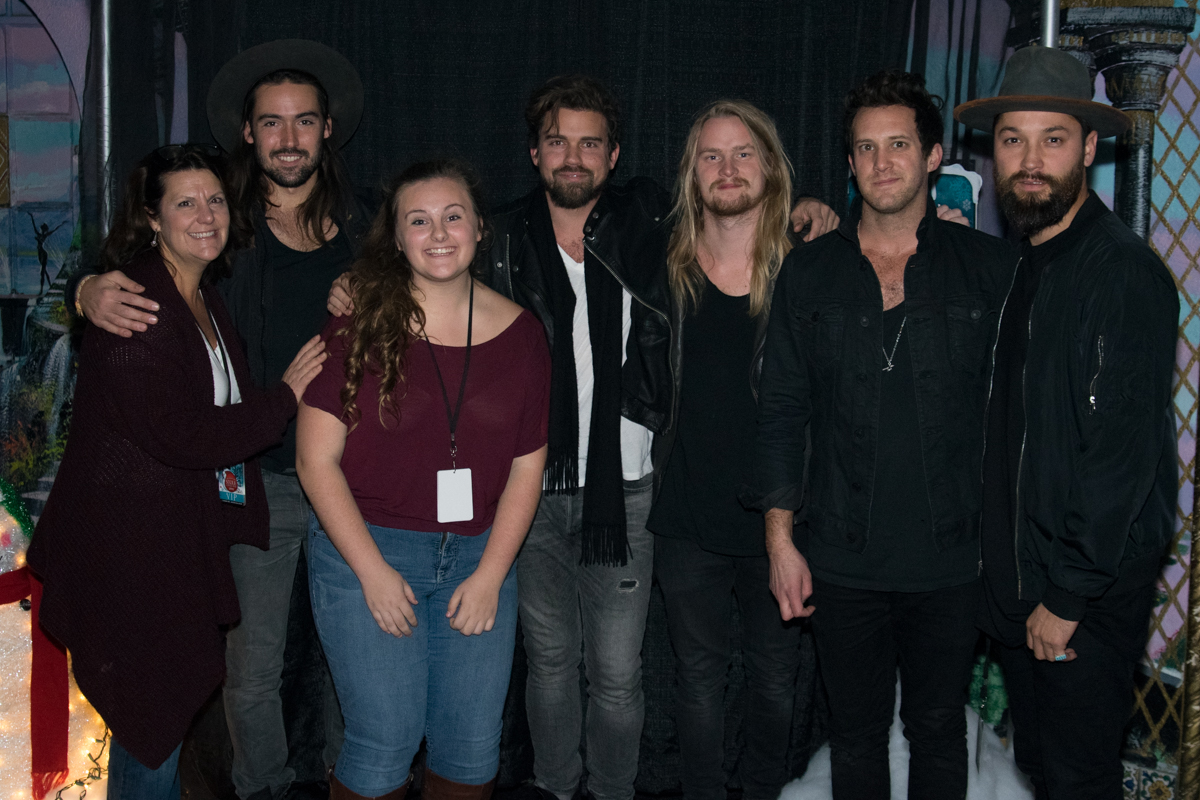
(1081, 470)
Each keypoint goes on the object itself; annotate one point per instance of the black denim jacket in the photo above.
(822, 366)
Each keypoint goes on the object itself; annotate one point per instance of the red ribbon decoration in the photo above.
(49, 709)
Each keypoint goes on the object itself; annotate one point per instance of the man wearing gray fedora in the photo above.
(282, 110)
(1080, 472)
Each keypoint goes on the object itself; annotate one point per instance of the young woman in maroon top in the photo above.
(421, 451)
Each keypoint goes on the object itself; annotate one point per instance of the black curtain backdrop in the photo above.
(452, 77)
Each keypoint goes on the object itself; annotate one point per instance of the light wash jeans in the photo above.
(129, 779)
(594, 614)
(436, 683)
(254, 648)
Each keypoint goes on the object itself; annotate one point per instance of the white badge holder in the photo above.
(455, 499)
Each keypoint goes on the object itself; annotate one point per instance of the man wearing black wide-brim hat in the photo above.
(1080, 472)
(282, 110)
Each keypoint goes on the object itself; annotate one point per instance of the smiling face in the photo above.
(729, 168)
(886, 159)
(573, 156)
(437, 229)
(1039, 170)
(287, 129)
(192, 222)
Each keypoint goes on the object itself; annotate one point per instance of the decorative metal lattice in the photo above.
(1175, 236)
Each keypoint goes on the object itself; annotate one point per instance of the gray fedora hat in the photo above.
(337, 76)
(1044, 79)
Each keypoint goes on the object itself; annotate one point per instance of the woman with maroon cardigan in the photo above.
(159, 478)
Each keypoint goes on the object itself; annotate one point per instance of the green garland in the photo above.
(14, 504)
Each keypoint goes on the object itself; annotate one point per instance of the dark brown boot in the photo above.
(439, 788)
(338, 791)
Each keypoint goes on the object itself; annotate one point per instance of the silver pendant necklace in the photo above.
(895, 344)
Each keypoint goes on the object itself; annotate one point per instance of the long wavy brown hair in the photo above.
(771, 242)
(251, 187)
(387, 318)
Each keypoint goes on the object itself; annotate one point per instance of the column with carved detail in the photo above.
(1135, 48)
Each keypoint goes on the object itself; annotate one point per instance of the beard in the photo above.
(295, 176)
(1029, 214)
(733, 206)
(573, 195)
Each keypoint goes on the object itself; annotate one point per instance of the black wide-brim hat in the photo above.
(1044, 79)
(227, 94)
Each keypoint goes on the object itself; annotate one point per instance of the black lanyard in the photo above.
(462, 386)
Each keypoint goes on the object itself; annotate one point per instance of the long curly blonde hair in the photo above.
(387, 317)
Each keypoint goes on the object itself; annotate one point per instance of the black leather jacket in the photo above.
(627, 232)
(1098, 475)
(824, 354)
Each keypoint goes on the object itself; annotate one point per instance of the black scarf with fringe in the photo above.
(604, 538)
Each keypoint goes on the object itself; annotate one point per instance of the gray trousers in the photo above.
(255, 646)
(592, 614)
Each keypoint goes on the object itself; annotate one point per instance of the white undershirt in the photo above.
(635, 438)
(225, 386)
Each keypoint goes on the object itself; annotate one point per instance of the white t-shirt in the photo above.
(225, 385)
(635, 438)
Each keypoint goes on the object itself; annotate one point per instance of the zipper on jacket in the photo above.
(988, 399)
(666, 319)
(1021, 457)
(1099, 369)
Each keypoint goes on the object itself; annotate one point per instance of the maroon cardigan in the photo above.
(133, 545)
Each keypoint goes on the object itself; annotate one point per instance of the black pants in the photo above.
(861, 636)
(1069, 719)
(698, 587)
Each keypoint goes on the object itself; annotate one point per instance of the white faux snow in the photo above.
(85, 724)
(997, 777)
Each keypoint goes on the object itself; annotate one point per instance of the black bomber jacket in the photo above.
(627, 232)
(1098, 473)
(822, 367)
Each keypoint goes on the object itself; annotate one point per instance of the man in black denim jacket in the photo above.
(878, 343)
(1081, 473)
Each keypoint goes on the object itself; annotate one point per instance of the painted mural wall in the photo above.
(39, 245)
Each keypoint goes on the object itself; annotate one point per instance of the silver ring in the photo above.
(1061, 657)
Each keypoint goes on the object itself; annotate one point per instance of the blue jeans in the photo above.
(254, 648)
(436, 683)
(129, 779)
(697, 586)
(594, 614)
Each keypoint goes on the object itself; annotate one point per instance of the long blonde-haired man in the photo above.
(730, 236)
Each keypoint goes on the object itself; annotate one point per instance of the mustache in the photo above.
(580, 169)
(736, 182)
(1053, 181)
